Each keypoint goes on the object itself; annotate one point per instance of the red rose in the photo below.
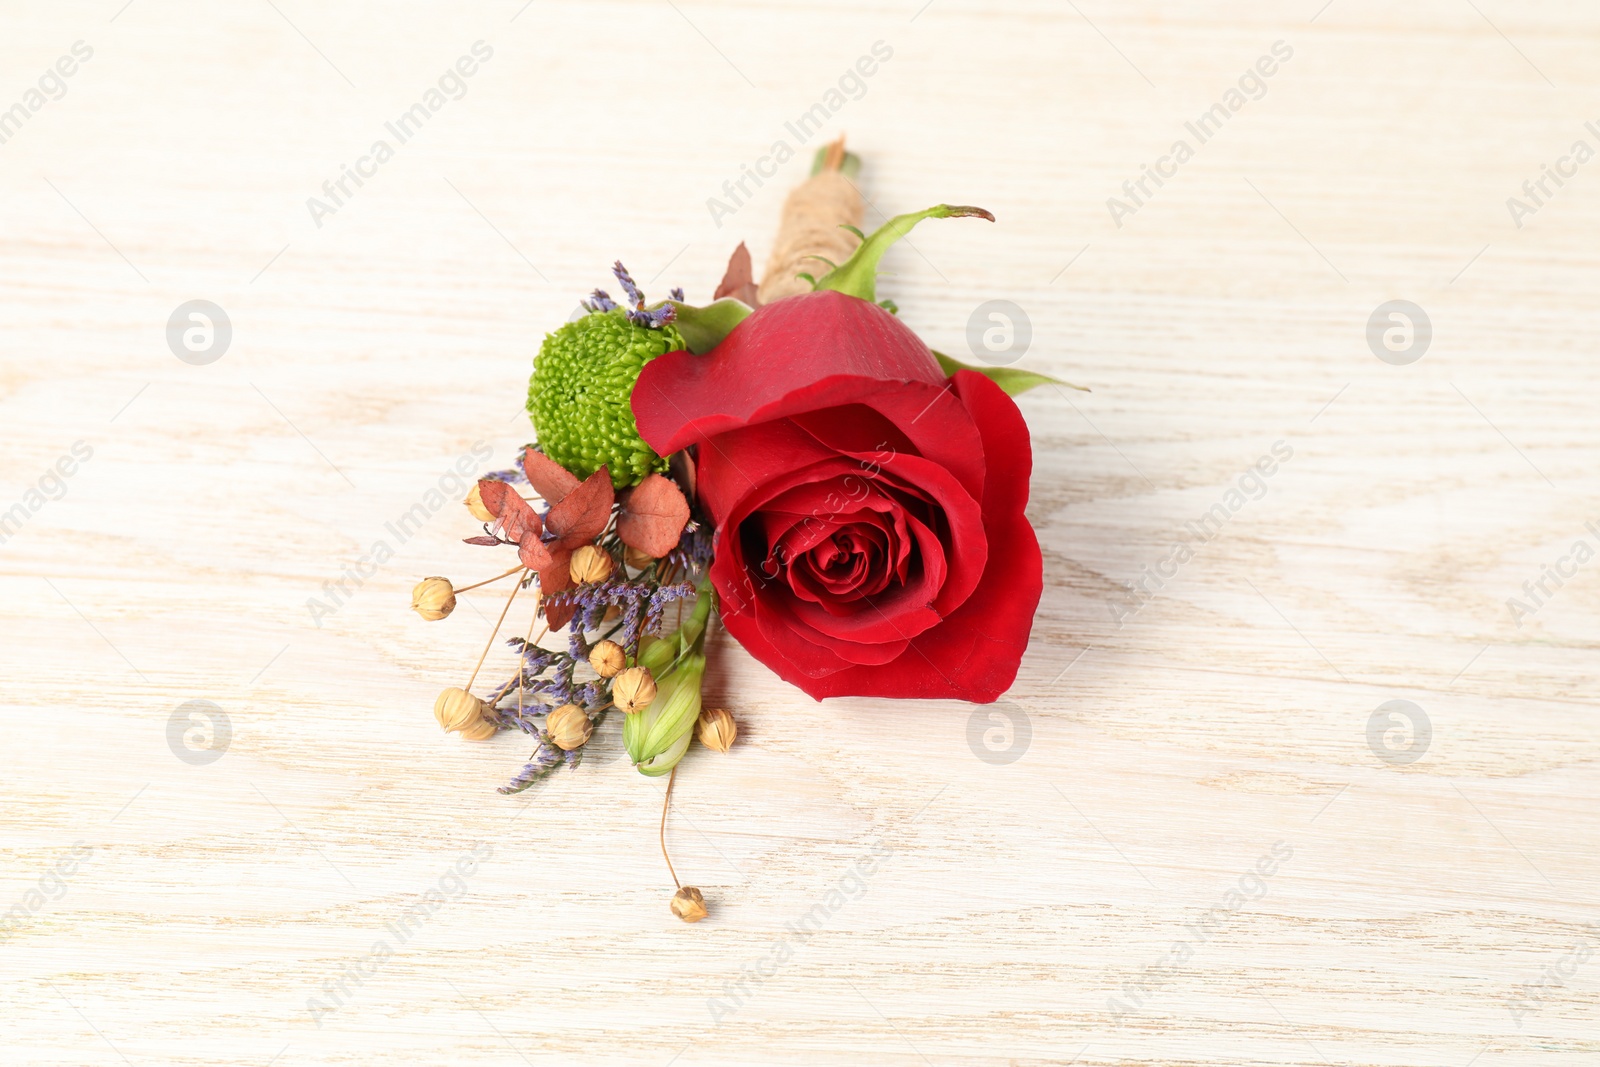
(870, 530)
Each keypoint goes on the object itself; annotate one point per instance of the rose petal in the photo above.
(783, 347)
(975, 654)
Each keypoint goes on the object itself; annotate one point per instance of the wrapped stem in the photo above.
(811, 234)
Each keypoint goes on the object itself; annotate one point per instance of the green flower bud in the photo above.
(657, 737)
(580, 394)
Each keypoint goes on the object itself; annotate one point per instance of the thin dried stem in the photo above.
(664, 802)
(515, 589)
(486, 581)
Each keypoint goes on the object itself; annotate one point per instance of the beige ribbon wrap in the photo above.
(812, 225)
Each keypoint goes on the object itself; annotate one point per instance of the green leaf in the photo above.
(704, 328)
(1011, 379)
(858, 276)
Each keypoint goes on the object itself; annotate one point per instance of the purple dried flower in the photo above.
(624, 279)
(653, 319)
(601, 301)
(546, 758)
(677, 294)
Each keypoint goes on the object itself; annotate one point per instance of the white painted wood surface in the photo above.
(1011, 906)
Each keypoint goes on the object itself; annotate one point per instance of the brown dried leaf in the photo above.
(549, 479)
(555, 576)
(534, 554)
(513, 516)
(739, 281)
(580, 515)
(653, 517)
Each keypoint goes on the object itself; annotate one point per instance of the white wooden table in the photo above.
(168, 910)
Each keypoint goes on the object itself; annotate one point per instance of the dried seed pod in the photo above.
(716, 729)
(689, 904)
(481, 730)
(636, 559)
(474, 503)
(457, 710)
(589, 564)
(433, 598)
(607, 658)
(569, 726)
(633, 689)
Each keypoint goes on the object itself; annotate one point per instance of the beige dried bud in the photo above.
(716, 729)
(433, 598)
(633, 689)
(589, 564)
(458, 710)
(481, 730)
(569, 726)
(636, 559)
(689, 904)
(474, 503)
(607, 658)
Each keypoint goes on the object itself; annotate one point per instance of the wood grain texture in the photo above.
(1013, 910)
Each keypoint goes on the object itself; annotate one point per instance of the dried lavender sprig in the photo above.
(601, 301)
(510, 475)
(624, 279)
(654, 319)
(677, 294)
(694, 548)
(546, 758)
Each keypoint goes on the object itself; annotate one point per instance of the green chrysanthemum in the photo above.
(579, 395)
